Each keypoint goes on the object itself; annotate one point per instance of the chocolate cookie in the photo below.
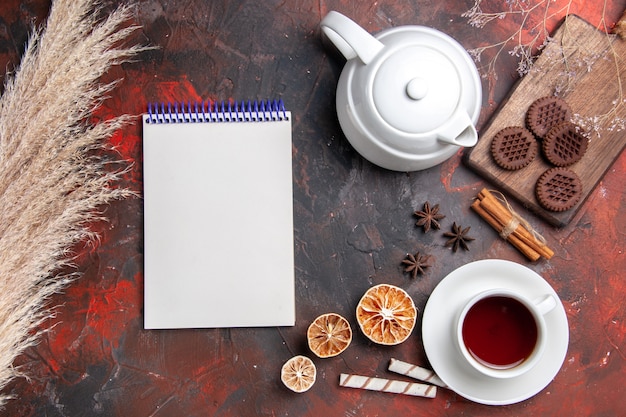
(513, 147)
(546, 113)
(564, 144)
(558, 189)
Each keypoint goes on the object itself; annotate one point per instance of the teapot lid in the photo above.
(416, 89)
(421, 80)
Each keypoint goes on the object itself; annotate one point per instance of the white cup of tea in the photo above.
(501, 333)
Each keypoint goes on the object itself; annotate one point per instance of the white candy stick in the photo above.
(415, 372)
(387, 385)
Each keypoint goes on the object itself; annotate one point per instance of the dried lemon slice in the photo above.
(329, 335)
(386, 314)
(298, 373)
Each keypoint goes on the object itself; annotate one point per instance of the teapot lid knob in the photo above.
(417, 88)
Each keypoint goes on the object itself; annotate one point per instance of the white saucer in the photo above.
(438, 325)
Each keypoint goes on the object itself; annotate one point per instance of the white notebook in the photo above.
(218, 216)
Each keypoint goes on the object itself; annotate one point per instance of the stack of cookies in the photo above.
(548, 120)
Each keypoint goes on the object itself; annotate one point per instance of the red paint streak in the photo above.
(126, 144)
(447, 171)
(111, 309)
(99, 317)
(180, 90)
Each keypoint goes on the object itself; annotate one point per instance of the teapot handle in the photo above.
(459, 131)
(350, 38)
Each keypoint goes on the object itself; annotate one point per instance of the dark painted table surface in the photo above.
(353, 225)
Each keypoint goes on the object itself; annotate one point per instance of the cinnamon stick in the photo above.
(514, 240)
(491, 204)
(501, 218)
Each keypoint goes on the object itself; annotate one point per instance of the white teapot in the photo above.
(407, 98)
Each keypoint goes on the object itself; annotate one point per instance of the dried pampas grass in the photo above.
(51, 180)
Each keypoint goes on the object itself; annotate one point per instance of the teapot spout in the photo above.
(459, 131)
(350, 39)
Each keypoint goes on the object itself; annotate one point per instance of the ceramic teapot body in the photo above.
(408, 98)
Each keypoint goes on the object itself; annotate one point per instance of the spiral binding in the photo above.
(216, 112)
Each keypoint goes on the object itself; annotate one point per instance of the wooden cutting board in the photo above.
(583, 66)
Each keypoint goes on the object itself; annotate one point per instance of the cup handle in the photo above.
(545, 304)
(350, 38)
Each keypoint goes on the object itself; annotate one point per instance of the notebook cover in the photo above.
(218, 219)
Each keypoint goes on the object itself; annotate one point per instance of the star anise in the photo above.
(429, 217)
(458, 237)
(415, 264)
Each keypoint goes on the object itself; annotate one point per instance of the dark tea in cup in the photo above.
(499, 332)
